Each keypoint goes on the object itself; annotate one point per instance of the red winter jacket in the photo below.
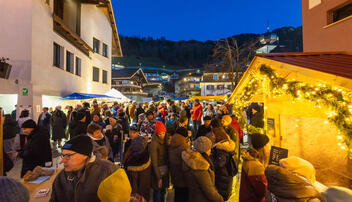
(197, 112)
(237, 127)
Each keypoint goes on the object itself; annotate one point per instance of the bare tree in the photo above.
(229, 56)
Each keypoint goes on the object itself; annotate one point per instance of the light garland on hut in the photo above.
(335, 99)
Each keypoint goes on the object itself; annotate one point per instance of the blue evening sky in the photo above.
(203, 19)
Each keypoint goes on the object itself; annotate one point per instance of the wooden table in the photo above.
(34, 188)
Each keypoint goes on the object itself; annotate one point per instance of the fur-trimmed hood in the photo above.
(195, 160)
(178, 140)
(227, 146)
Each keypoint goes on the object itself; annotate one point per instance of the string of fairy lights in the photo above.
(335, 99)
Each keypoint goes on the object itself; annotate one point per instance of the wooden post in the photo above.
(1, 146)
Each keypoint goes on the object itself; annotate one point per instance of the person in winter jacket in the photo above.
(209, 111)
(226, 123)
(205, 128)
(137, 164)
(101, 145)
(160, 171)
(292, 181)
(199, 172)
(97, 120)
(253, 181)
(197, 114)
(78, 125)
(132, 110)
(171, 124)
(235, 125)
(86, 110)
(82, 174)
(115, 134)
(95, 108)
(257, 116)
(58, 124)
(9, 133)
(24, 116)
(180, 142)
(44, 119)
(123, 121)
(147, 127)
(139, 111)
(221, 155)
(37, 150)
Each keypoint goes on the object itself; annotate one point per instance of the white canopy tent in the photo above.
(117, 95)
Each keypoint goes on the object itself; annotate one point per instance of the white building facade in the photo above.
(218, 83)
(56, 47)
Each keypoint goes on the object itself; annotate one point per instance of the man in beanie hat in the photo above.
(205, 128)
(199, 172)
(253, 180)
(82, 174)
(37, 150)
(12, 190)
(197, 113)
(158, 154)
(78, 126)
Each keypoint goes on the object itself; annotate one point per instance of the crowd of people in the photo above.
(140, 151)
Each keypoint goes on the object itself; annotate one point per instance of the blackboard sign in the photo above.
(276, 154)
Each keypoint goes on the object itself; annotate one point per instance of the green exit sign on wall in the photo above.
(25, 91)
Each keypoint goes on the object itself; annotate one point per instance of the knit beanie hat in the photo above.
(29, 124)
(202, 144)
(259, 140)
(337, 194)
(227, 120)
(182, 131)
(139, 144)
(81, 144)
(300, 166)
(159, 127)
(12, 190)
(116, 187)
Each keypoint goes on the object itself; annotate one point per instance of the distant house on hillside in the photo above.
(130, 82)
(216, 83)
(189, 85)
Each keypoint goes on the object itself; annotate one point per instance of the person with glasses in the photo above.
(82, 174)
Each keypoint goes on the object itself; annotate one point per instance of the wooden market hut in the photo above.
(307, 107)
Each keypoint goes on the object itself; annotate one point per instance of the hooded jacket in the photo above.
(81, 185)
(253, 181)
(221, 154)
(286, 186)
(179, 143)
(37, 150)
(200, 178)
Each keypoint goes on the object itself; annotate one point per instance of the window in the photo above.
(125, 82)
(210, 87)
(96, 45)
(342, 13)
(96, 74)
(229, 87)
(220, 87)
(105, 50)
(69, 62)
(78, 66)
(197, 86)
(215, 77)
(105, 76)
(58, 57)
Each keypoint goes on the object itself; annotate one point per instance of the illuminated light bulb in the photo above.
(339, 144)
(284, 86)
(297, 120)
(316, 88)
(338, 132)
(347, 119)
(326, 121)
(339, 137)
(297, 126)
(343, 148)
(319, 107)
(339, 90)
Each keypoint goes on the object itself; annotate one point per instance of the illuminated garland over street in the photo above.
(335, 99)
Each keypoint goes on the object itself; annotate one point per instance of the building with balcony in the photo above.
(216, 83)
(130, 82)
(189, 85)
(55, 48)
(327, 25)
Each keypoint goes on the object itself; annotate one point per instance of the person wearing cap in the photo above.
(159, 158)
(114, 109)
(12, 190)
(133, 133)
(78, 126)
(97, 120)
(137, 164)
(205, 128)
(101, 145)
(197, 113)
(95, 108)
(37, 150)
(148, 125)
(86, 107)
(82, 173)
(253, 180)
(179, 142)
(114, 132)
(199, 172)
